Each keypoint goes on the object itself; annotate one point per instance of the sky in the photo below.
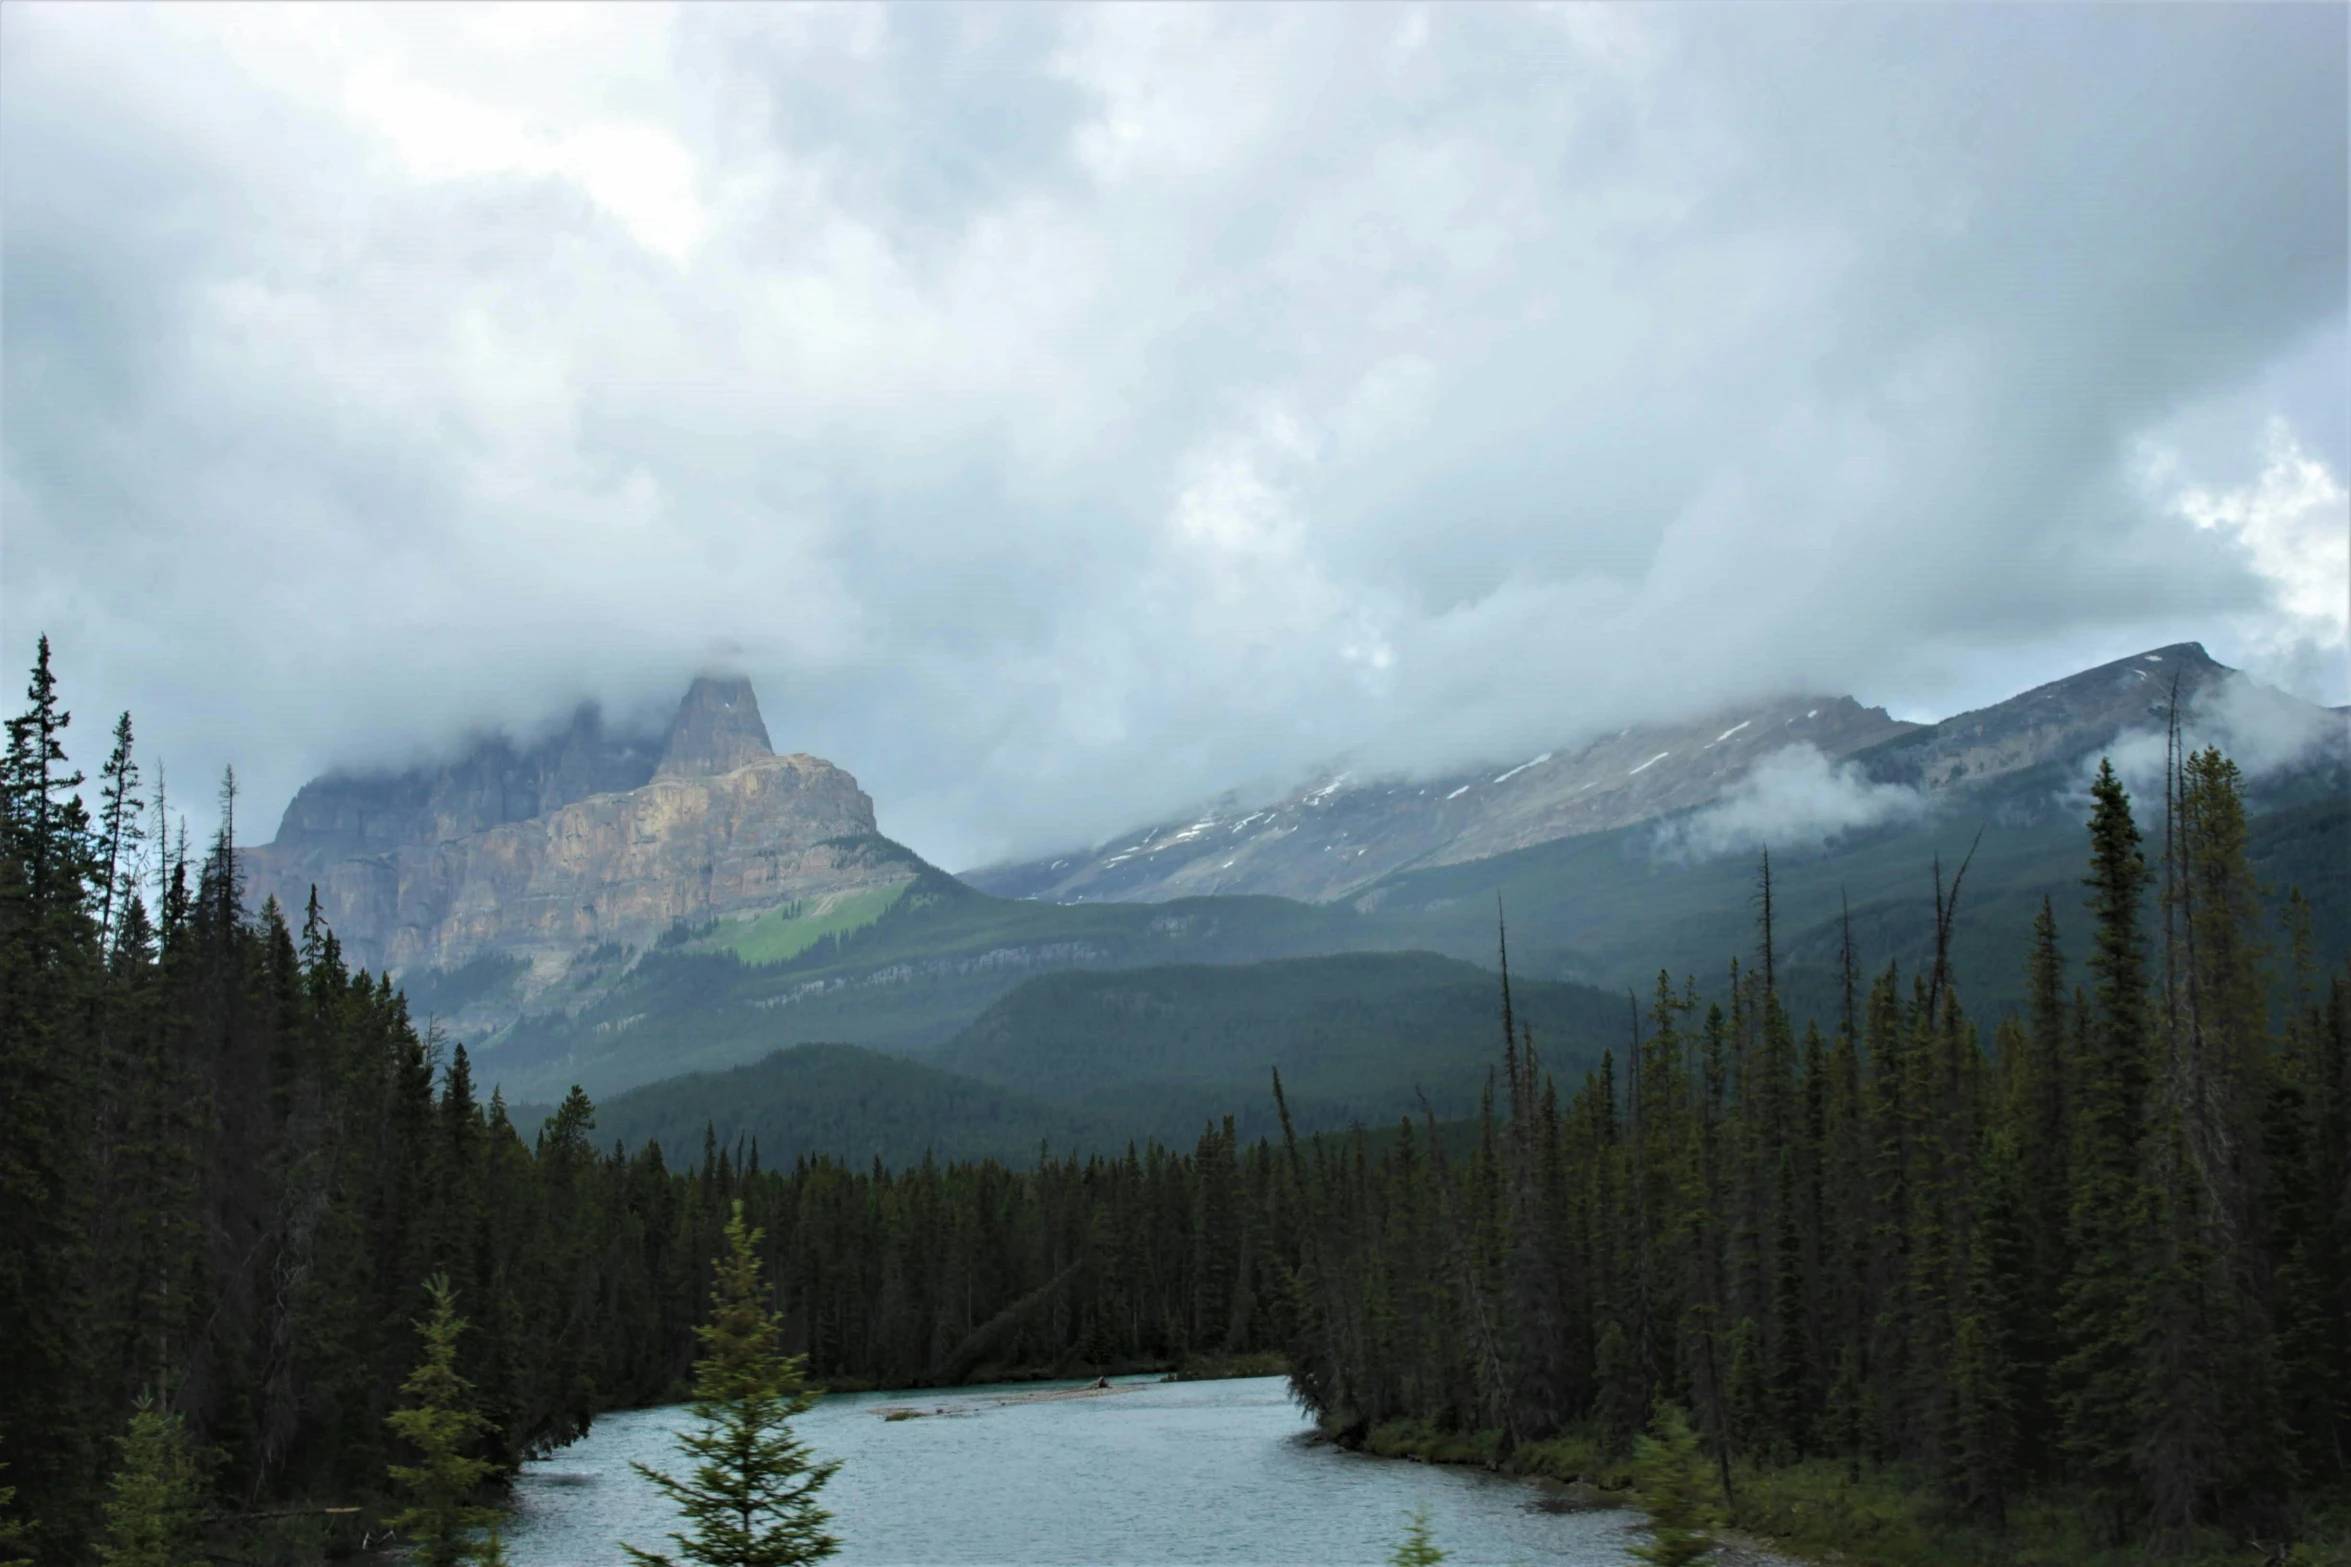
(1065, 415)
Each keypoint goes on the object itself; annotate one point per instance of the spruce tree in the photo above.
(155, 1503)
(442, 1424)
(751, 1498)
(1670, 1473)
(2101, 1316)
(50, 1423)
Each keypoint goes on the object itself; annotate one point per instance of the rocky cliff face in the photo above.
(492, 783)
(586, 839)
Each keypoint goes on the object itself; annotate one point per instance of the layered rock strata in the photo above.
(433, 869)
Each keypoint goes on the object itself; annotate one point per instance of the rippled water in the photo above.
(1169, 1472)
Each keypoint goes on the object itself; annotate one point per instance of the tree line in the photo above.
(2104, 1255)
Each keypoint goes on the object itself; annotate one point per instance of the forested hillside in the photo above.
(1360, 1035)
(846, 1103)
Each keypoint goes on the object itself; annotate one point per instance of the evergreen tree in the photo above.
(50, 1423)
(750, 1500)
(442, 1424)
(1620, 1394)
(2104, 1289)
(1670, 1473)
(156, 1501)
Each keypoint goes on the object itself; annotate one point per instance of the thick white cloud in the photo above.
(2292, 525)
(1065, 413)
(1793, 798)
(2260, 728)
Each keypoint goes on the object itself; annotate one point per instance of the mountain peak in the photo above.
(717, 729)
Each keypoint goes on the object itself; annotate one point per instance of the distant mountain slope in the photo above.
(1361, 1030)
(2052, 728)
(1347, 836)
(906, 982)
(1089, 1062)
(1608, 909)
(1347, 833)
(842, 1102)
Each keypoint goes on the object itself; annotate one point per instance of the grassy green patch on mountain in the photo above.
(783, 934)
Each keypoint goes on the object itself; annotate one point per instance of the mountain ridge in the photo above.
(1328, 842)
(1343, 838)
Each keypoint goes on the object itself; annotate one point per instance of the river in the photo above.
(1161, 1472)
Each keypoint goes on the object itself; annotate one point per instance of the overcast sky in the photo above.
(1066, 414)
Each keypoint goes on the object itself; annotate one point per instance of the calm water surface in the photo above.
(1171, 1472)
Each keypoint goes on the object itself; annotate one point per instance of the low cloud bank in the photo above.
(2262, 729)
(1793, 798)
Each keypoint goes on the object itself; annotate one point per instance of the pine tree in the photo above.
(1620, 1392)
(156, 1500)
(441, 1423)
(1988, 1343)
(1792, 1391)
(118, 832)
(2103, 1301)
(51, 1420)
(1670, 1473)
(1750, 1388)
(751, 1498)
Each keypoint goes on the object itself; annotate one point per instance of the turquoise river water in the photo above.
(1158, 1472)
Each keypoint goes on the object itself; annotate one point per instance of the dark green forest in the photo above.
(2094, 1255)
(2094, 1265)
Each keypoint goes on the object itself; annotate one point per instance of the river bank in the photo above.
(1192, 1368)
(1821, 1511)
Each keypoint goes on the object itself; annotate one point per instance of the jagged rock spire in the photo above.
(717, 729)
